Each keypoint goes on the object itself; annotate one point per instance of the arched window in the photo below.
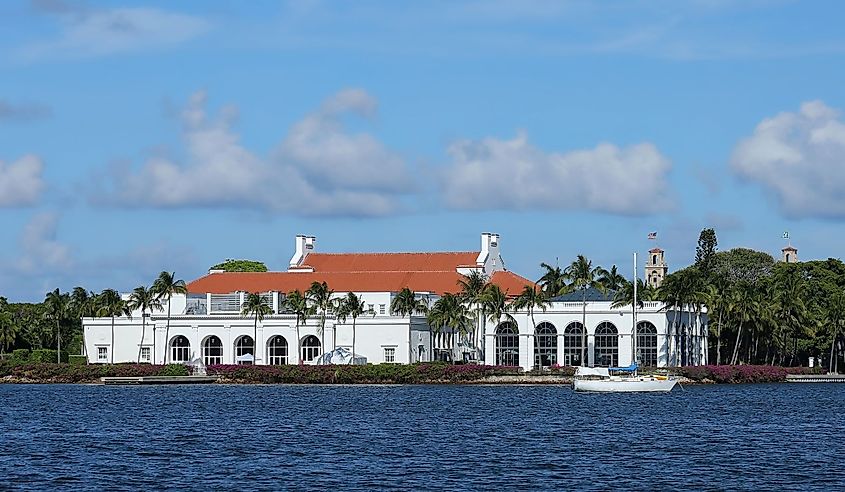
(654, 259)
(573, 341)
(646, 344)
(545, 345)
(507, 345)
(244, 350)
(212, 351)
(607, 345)
(277, 351)
(310, 348)
(180, 350)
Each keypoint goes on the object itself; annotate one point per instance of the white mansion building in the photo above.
(206, 325)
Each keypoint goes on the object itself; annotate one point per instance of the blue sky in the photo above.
(137, 137)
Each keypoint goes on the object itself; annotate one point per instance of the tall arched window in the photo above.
(607, 345)
(212, 351)
(277, 351)
(507, 344)
(545, 345)
(244, 350)
(180, 350)
(310, 348)
(646, 344)
(573, 341)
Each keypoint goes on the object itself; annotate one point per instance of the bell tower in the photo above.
(790, 254)
(655, 268)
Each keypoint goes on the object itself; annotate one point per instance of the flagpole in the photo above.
(634, 312)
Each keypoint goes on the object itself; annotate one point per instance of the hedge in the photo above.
(741, 373)
(45, 356)
(78, 360)
(360, 374)
(71, 373)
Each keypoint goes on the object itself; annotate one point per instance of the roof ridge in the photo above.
(396, 253)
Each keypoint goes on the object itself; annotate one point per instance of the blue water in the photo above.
(748, 437)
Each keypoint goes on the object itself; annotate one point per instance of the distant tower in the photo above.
(790, 254)
(655, 268)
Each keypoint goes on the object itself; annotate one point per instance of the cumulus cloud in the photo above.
(320, 168)
(800, 159)
(513, 174)
(21, 182)
(85, 32)
(42, 252)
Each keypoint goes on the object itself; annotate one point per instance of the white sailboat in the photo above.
(622, 379)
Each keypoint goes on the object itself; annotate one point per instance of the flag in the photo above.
(652, 235)
(786, 235)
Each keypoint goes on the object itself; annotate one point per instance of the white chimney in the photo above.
(489, 259)
(304, 245)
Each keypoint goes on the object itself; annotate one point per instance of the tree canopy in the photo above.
(240, 266)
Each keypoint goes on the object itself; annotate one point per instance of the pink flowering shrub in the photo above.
(740, 373)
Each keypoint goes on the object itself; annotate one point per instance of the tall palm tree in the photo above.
(321, 298)
(165, 287)
(82, 303)
(353, 306)
(302, 309)
(8, 328)
(582, 276)
(553, 280)
(110, 305)
(58, 307)
(532, 298)
(144, 299)
(743, 304)
(791, 310)
(255, 305)
(405, 303)
(472, 291)
(449, 311)
(611, 279)
(836, 316)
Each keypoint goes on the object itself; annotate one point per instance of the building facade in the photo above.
(206, 326)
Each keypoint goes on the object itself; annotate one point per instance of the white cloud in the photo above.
(96, 32)
(799, 158)
(41, 251)
(513, 174)
(21, 182)
(320, 168)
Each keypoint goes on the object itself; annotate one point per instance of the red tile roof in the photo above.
(436, 282)
(389, 262)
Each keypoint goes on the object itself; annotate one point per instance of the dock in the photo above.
(158, 380)
(815, 378)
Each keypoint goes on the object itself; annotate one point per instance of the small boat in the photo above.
(620, 380)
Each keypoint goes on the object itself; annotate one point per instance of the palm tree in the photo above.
(58, 306)
(449, 311)
(320, 297)
(257, 306)
(611, 279)
(110, 305)
(144, 299)
(553, 280)
(744, 305)
(82, 303)
(164, 287)
(583, 276)
(299, 305)
(8, 328)
(472, 290)
(405, 303)
(531, 298)
(836, 315)
(353, 306)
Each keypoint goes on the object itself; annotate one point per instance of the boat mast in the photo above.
(634, 311)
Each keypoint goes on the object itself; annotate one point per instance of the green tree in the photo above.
(58, 307)
(8, 329)
(146, 300)
(582, 276)
(255, 305)
(321, 298)
(611, 279)
(82, 303)
(297, 303)
(405, 303)
(240, 266)
(836, 317)
(165, 287)
(472, 292)
(110, 305)
(705, 252)
(553, 280)
(449, 311)
(352, 306)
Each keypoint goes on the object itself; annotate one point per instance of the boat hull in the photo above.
(646, 385)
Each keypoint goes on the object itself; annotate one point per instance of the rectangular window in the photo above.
(390, 354)
(102, 354)
(381, 308)
(145, 354)
(371, 307)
